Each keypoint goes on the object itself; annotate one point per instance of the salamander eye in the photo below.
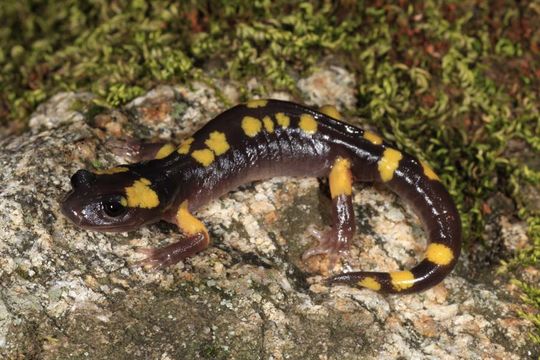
(115, 207)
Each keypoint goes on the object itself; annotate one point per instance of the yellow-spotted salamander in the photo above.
(259, 140)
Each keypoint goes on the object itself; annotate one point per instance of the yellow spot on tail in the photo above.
(251, 126)
(165, 151)
(114, 170)
(283, 120)
(268, 124)
(373, 138)
(185, 146)
(428, 171)
(256, 103)
(217, 142)
(204, 156)
(331, 111)
(188, 223)
(308, 124)
(370, 283)
(340, 178)
(402, 280)
(439, 254)
(389, 163)
(141, 195)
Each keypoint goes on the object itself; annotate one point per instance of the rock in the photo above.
(70, 293)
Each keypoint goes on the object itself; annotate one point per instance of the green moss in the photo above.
(453, 83)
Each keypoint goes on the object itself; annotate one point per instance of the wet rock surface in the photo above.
(71, 293)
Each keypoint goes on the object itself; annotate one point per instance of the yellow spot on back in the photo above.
(114, 170)
(331, 111)
(340, 178)
(204, 156)
(428, 171)
(188, 223)
(165, 151)
(402, 280)
(217, 142)
(308, 124)
(185, 145)
(283, 120)
(373, 138)
(256, 103)
(389, 163)
(141, 195)
(251, 126)
(370, 283)
(268, 124)
(439, 254)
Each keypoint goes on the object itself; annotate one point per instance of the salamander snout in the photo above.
(82, 178)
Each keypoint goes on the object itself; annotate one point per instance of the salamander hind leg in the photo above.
(195, 239)
(336, 241)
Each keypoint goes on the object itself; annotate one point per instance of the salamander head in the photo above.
(114, 200)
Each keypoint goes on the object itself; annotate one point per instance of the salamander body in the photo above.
(259, 140)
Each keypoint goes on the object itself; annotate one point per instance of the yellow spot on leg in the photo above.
(188, 223)
(428, 171)
(185, 145)
(256, 103)
(331, 111)
(373, 138)
(308, 124)
(141, 195)
(389, 163)
(439, 254)
(268, 124)
(204, 156)
(251, 126)
(402, 280)
(165, 151)
(114, 170)
(283, 120)
(217, 142)
(370, 283)
(340, 178)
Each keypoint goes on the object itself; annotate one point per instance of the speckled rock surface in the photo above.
(70, 293)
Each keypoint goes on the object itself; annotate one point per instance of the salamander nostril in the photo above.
(82, 178)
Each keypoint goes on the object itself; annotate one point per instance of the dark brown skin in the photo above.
(256, 141)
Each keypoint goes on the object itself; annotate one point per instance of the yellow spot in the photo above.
(439, 254)
(123, 201)
(428, 171)
(204, 156)
(308, 124)
(141, 195)
(114, 170)
(256, 103)
(251, 126)
(217, 142)
(370, 283)
(185, 145)
(165, 151)
(402, 280)
(372, 137)
(283, 120)
(268, 124)
(389, 163)
(340, 178)
(188, 223)
(331, 111)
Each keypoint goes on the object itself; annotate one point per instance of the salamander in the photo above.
(258, 140)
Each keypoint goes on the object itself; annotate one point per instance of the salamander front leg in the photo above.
(195, 240)
(336, 241)
(135, 150)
